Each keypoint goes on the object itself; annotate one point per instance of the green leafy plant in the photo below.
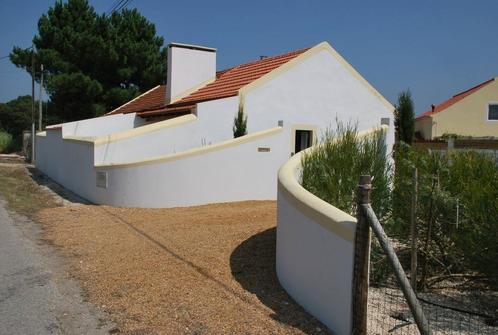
(331, 170)
(240, 123)
(5, 141)
(451, 241)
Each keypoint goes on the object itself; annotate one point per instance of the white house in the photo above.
(174, 146)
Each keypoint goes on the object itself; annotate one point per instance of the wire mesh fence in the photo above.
(449, 309)
(393, 307)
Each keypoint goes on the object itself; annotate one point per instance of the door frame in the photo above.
(308, 127)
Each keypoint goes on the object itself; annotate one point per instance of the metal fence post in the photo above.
(361, 260)
(413, 230)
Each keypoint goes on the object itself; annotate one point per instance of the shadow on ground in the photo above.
(253, 266)
(59, 190)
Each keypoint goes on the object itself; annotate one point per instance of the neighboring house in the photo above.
(174, 145)
(473, 112)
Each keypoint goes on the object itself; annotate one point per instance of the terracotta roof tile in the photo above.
(228, 82)
(151, 99)
(453, 100)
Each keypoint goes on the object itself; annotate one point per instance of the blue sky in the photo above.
(434, 48)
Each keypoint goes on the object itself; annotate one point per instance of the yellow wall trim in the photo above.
(190, 91)
(321, 212)
(145, 129)
(129, 102)
(196, 151)
(323, 46)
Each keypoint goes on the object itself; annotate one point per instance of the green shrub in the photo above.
(331, 171)
(5, 141)
(449, 243)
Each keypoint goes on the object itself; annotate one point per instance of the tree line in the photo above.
(92, 62)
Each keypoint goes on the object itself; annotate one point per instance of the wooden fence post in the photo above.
(361, 260)
(413, 231)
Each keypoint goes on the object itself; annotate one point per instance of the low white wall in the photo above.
(213, 124)
(103, 125)
(232, 170)
(68, 162)
(315, 250)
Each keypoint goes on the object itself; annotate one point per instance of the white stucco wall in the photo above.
(217, 173)
(103, 125)
(314, 265)
(315, 91)
(67, 162)
(234, 173)
(213, 124)
(187, 69)
(315, 249)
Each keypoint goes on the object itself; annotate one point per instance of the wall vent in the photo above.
(102, 179)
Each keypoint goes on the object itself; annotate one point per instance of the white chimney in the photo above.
(189, 68)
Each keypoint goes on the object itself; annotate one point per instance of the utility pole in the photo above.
(32, 105)
(40, 120)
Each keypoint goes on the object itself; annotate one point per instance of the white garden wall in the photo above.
(234, 170)
(213, 124)
(103, 125)
(315, 250)
(67, 162)
(215, 173)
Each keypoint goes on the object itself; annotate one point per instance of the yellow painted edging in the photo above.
(145, 129)
(196, 151)
(295, 127)
(141, 95)
(41, 134)
(323, 213)
(191, 90)
(323, 46)
(96, 141)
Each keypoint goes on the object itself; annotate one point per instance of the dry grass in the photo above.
(197, 270)
(22, 194)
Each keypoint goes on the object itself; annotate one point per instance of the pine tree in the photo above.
(94, 63)
(404, 117)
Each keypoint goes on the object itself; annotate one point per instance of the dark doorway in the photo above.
(304, 139)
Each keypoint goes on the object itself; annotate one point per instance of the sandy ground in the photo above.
(197, 270)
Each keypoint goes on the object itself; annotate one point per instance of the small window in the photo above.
(493, 112)
(304, 140)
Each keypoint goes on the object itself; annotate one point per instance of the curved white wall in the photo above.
(315, 250)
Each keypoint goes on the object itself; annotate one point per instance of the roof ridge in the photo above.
(454, 99)
(476, 86)
(266, 59)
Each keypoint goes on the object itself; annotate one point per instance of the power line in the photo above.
(114, 6)
(127, 2)
(118, 5)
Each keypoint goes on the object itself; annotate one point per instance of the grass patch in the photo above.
(22, 194)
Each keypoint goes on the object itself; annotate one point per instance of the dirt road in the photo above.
(36, 295)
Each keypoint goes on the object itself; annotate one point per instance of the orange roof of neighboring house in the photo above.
(227, 84)
(453, 100)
